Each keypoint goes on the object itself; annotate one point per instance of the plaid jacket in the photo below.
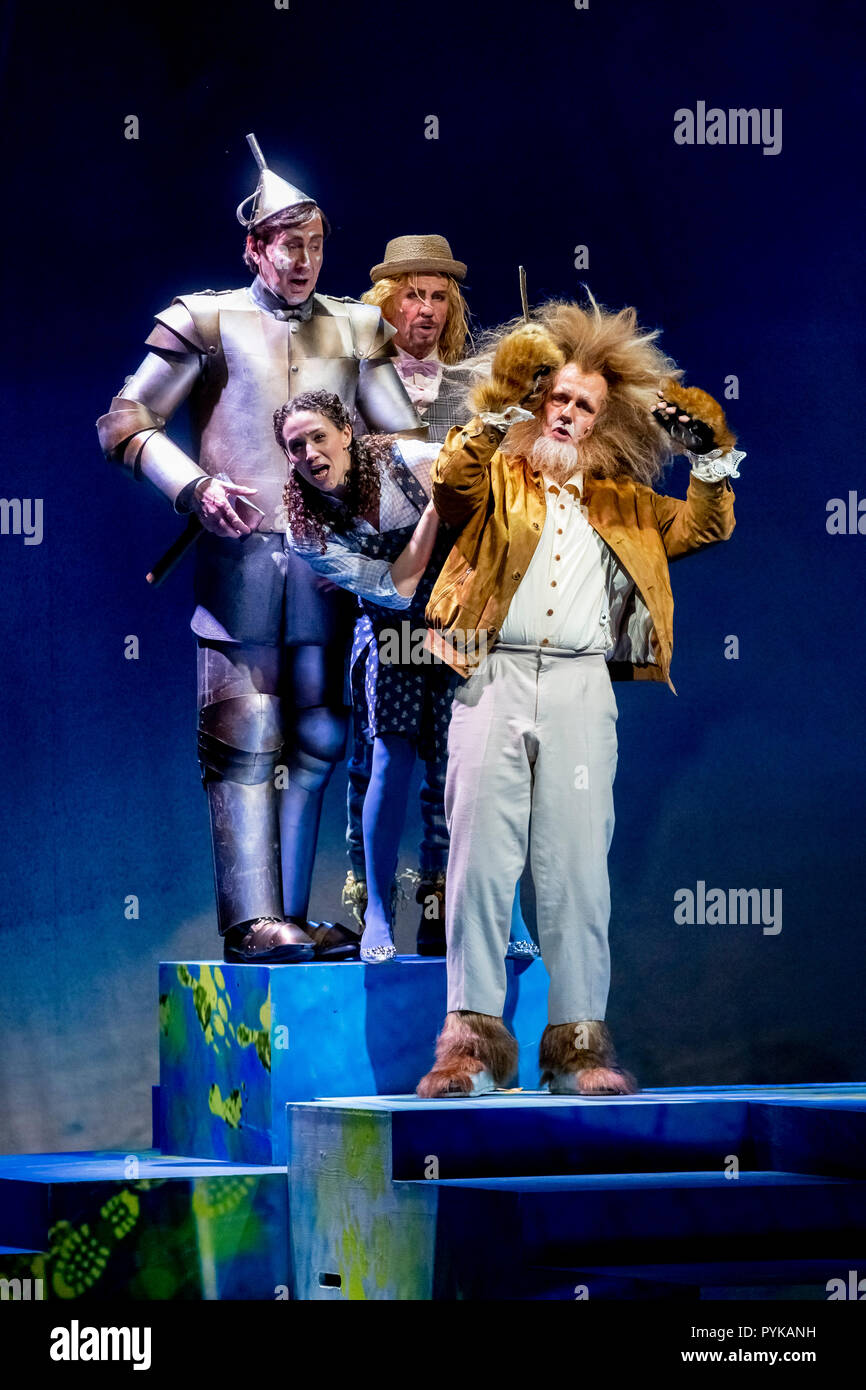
(450, 408)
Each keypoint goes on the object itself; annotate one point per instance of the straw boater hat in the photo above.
(418, 255)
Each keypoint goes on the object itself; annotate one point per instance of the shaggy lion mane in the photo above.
(625, 441)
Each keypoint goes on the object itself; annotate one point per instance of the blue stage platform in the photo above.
(239, 1041)
(141, 1226)
(677, 1193)
(673, 1193)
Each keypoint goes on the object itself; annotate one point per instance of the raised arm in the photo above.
(461, 474)
(697, 425)
(704, 517)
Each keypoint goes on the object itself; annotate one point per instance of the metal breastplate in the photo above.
(267, 362)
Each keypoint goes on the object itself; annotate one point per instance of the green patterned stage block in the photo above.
(238, 1042)
(140, 1226)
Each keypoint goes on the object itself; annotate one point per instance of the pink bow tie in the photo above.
(409, 367)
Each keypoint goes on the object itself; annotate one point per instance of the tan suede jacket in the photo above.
(499, 505)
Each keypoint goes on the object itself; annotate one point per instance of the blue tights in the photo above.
(383, 819)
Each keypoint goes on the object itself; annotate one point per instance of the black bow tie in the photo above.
(276, 305)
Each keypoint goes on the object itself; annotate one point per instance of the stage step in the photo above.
(496, 1230)
(143, 1226)
(238, 1042)
(819, 1130)
(797, 1279)
(397, 1198)
(820, 1135)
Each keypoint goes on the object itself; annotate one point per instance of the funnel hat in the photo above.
(273, 195)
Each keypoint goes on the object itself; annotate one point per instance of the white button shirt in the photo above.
(562, 599)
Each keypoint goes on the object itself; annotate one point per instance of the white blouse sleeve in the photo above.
(368, 578)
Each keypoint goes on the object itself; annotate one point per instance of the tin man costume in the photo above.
(272, 637)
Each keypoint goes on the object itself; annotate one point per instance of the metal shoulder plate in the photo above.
(176, 330)
(204, 311)
(190, 323)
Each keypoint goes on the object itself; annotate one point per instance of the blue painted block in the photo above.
(502, 1196)
(796, 1278)
(237, 1043)
(142, 1226)
(817, 1136)
(154, 1117)
(498, 1231)
(506, 1134)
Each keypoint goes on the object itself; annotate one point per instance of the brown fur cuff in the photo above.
(470, 1043)
(585, 1052)
(568, 1047)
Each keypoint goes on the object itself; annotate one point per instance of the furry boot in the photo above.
(579, 1059)
(474, 1053)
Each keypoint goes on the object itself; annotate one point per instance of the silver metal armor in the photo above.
(237, 363)
(271, 636)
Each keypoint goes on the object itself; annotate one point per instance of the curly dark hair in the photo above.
(310, 515)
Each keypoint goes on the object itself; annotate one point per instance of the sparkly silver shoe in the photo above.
(374, 955)
(522, 950)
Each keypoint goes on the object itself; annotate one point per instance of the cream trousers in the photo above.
(532, 754)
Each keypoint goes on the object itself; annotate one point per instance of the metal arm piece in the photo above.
(167, 466)
(133, 431)
(382, 400)
(383, 403)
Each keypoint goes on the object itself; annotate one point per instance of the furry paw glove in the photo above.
(522, 361)
(693, 419)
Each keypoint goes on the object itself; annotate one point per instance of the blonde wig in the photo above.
(455, 334)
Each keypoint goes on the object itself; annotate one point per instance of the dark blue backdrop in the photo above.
(555, 130)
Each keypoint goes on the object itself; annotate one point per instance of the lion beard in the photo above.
(555, 458)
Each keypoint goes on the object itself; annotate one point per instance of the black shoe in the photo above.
(333, 941)
(267, 941)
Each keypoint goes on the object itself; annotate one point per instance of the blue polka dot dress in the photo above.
(397, 686)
